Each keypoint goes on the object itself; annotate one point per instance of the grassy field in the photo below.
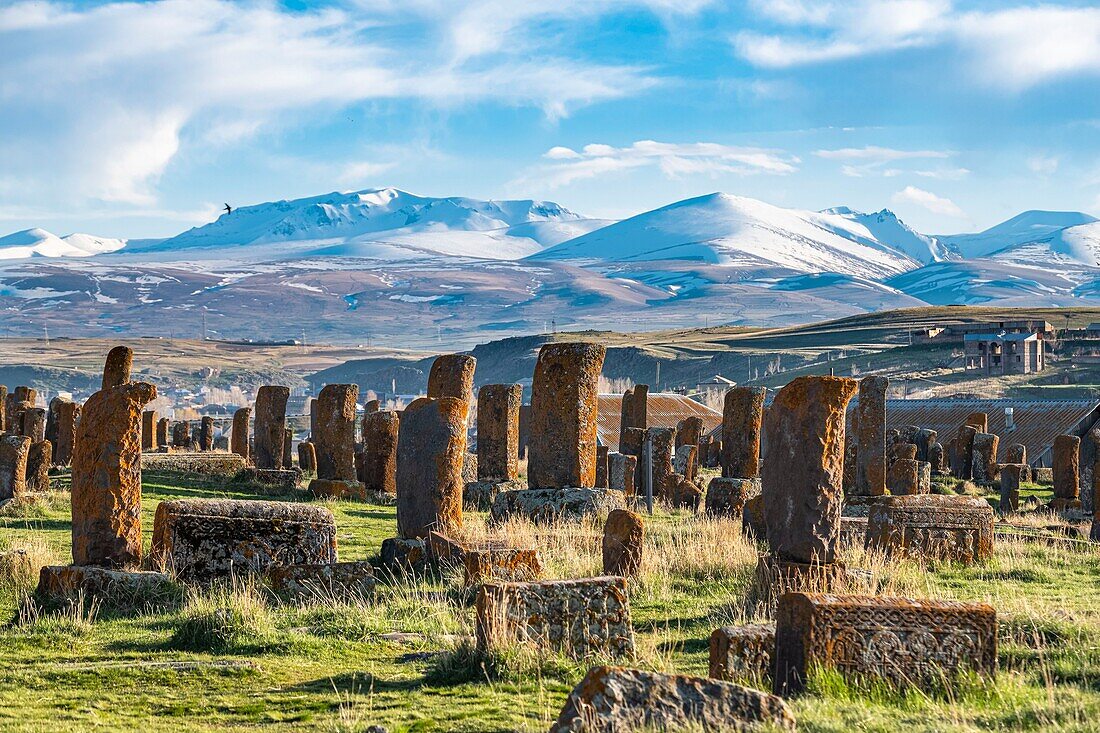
(400, 660)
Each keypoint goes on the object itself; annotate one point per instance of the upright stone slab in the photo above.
(380, 456)
(181, 435)
(14, 450)
(562, 452)
(726, 497)
(307, 457)
(68, 415)
(106, 477)
(623, 535)
(288, 449)
(452, 375)
(634, 411)
(270, 425)
(34, 424)
(657, 450)
(162, 432)
(601, 466)
(498, 432)
(984, 459)
(742, 413)
(742, 652)
(431, 446)
(52, 413)
(685, 461)
(802, 489)
(906, 641)
(905, 477)
(334, 440)
(583, 617)
(614, 700)
(953, 528)
(5, 408)
(632, 441)
(689, 431)
(937, 459)
(116, 370)
(962, 458)
(620, 473)
(238, 436)
(149, 430)
(870, 478)
(1016, 453)
(1011, 476)
(979, 421)
(39, 460)
(1067, 490)
(206, 433)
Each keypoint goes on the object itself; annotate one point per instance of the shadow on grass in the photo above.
(355, 683)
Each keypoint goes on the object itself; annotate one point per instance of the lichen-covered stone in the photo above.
(633, 412)
(452, 375)
(1011, 476)
(117, 590)
(326, 488)
(68, 415)
(270, 425)
(498, 431)
(162, 433)
(962, 453)
(338, 581)
(621, 470)
(307, 457)
(684, 462)
(601, 467)
(404, 554)
(334, 436)
(753, 523)
(221, 465)
(801, 481)
(1016, 453)
(34, 424)
(181, 435)
(39, 460)
(870, 474)
(1067, 487)
(623, 536)
(726, 497)
(239, 442)
(106, 477)
(562, 451)
(431, 446)
(550, 505)
(480, 495)
(742, 413)
(207, 539)
(14, 450)
(206, 433)
(149, 430)
(279, 480)
(574, 617)
(984, 458)
(116, 370)
(380, 451)
(656, 458)
(956, 528)
(904, 477)
(681, 493)
(616, 700)
(742, 652)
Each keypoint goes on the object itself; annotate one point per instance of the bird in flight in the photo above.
(228, 209)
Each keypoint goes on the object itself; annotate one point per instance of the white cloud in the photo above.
(359, 173)
(927, 200)
(1043, 165)
(874, 154)
(99, 101)
(674, 160)
(1010, 48)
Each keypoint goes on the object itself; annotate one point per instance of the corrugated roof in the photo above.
(663, 410)
(1037, 422)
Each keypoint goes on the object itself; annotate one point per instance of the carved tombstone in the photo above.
(1067, 488)
(149, 430)
(380, 451)
(116, 370)
(623, 534)
(984, 459)
(334, 439)
(870, 479)
(270, 424)
(14, 450)
(239, 443)
(68, 415)
(431, 446)
(742, 412)
(452, 375)
(498, 432)
(954, 528)
(620, 473)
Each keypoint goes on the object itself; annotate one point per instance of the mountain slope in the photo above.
(884, 227)
(734, 231)
(1030, 226)
(40, 243)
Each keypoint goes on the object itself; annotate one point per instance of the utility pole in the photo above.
(748, 369)
(649, 472)
(46, 329)
(657, 382)
(204, 323)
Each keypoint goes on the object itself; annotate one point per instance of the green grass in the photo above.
(233, 659)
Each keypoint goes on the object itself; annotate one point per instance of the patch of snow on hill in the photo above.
(40, 243)
(1030, 226)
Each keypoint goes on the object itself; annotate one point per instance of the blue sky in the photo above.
(140, 119)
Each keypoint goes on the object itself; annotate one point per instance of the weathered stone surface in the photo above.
(307, 457)
(549, 505)
(288, 449)
(870, 478)
(1011, 476)
(616, 700)
(562, 451)
(742, 413)
(955, 528)
(270, 424)
(149, 430)
(206, 433)
(774, 577)
(334, 436)
(924, 477)
(903, 640)
(5, 408)
(469, 467)
(34, 424)
(684, 462)
(681, 493)
(452, 375)
(742, 652)
(979, 421)
(372, 406)
(904, 477)
(726, 497)
(404, 554)
(620, 473)
(498, 431)
(116, 370)
(61, 585)
(601, 467)
(480, 495)
(162, 432)
(340, 581)
(903, 452)
(39, 460)
(575, 617)
(984, 460)
(380, 455)
(1067, 488)
(753, 523)
(14, 450)
(106, 477)
(634, 412)
(657, 458)
(206, 539)
(962, 454)
(68, 415)
(221, 442)
(239, 443)
(853, 530)
(1016, 453)
(632, 441)
(181, 435)
(937, 458)
(623, 535)
(484, 562)
(689, 431)
(802, 477)
(431, 446)
(524, 430)
(224, 465)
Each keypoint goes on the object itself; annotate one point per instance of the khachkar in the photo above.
(933, 527)
(334, 442)
(498, 432)
(870, 442)
(802, 489)
(452, 375)
(162, 434)
(380, 434)
(239, 437)
(909, 642)
(116, 370)
(270, 426)
(742, 414)
(1067, 486)
(634, 410)
(206, 433)
(149, 430)
(68, 415)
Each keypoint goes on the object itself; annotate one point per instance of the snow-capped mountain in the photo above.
(884, 227)
(388, 223)
(721, 229)
(40, 243)
(1030, 226)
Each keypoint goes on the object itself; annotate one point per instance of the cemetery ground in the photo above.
(235, 658)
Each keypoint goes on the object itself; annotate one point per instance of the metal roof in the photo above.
(663, 410)
(1037, 422)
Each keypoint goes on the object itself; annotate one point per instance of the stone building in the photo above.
(998, 353)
